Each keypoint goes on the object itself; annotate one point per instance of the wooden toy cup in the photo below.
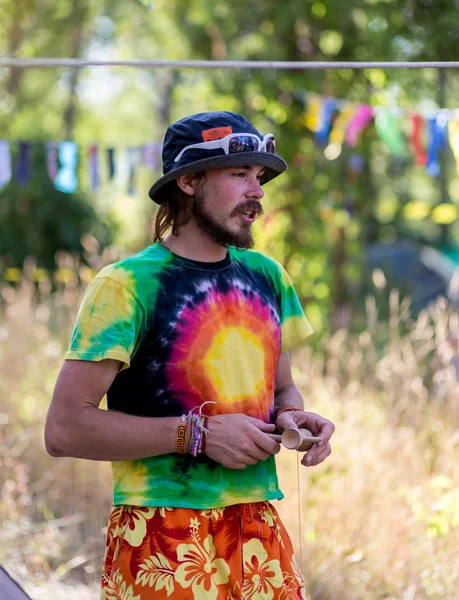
(296, 439)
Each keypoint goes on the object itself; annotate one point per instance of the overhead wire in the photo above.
(43, 63)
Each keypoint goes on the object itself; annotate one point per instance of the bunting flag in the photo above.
(111, 163)
(52, 163)
(311, 118)
(66, 178)
(417, 123)
(151, 156)
(326, 113)
(340, 125)
(437, 141)
(122, 169)
(133, 161)
(361, 118)
(5, 163)
(388, 128)
(62, 164)
(336, 122)
(23, 164)
(94, 166)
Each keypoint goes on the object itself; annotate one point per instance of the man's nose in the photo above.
(256, 190)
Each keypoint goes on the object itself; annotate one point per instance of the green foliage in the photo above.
(37, 220)
(323, 214)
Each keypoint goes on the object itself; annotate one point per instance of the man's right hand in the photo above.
(239, 441)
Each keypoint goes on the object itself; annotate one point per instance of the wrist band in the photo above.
(180, 435)
(192, 433)
(286, 409)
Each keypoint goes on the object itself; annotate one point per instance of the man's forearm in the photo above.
(97, 434)
(288, 396)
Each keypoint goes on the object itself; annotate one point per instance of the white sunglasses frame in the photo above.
(224, 144)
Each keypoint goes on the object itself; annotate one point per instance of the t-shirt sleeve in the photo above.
(108, 324)
(295, 327)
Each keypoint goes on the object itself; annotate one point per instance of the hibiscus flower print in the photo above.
(261, 575)
(135, 526)
(267, 516)
(198, 568)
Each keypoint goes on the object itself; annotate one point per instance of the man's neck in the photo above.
(194, 244)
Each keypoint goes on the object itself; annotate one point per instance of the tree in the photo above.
(327, 209)
(37, 219)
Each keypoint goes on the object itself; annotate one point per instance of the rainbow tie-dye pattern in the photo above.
(187, 332)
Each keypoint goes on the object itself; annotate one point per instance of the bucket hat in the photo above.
(213, 140)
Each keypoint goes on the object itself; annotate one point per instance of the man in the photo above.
(190, 339)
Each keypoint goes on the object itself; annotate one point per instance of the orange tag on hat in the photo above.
(209, 135)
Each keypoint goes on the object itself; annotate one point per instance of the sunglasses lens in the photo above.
(271, 145)
(242, 143)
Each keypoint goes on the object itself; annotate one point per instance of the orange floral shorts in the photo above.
(240, 552)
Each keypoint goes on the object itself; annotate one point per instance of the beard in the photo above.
(216, 229)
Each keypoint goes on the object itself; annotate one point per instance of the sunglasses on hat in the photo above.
(236, 142)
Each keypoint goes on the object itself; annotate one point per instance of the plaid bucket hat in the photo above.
(213, 140)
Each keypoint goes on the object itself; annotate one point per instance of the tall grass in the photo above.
(379, 519)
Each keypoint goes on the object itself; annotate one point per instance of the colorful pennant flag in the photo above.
(94, 166)
(133, 161)
(388, 129)
(66, 179)
(417, 123)
(23, 164)
(111, 163)
(361, 118)
(151, 156)
(5, 163)
(326, 113)
(340, 124)
(311, 117)
(52, 162)
(437, 140)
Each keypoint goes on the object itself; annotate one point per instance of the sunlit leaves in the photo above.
(318, 10)
(445, 214)
(330, 42)
(416, 211)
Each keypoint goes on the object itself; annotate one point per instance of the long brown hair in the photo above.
(175, 210)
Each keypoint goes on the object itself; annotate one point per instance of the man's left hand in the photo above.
(317, 425)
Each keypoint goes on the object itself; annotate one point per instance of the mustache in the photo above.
(250, 206)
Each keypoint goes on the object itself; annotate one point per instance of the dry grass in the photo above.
(380, 519)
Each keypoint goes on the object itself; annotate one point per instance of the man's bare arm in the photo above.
(77, 427)
(286, 393)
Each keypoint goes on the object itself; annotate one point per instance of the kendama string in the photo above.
(299, 509)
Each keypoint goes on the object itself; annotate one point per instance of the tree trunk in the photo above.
(15, 39)
(78, 16)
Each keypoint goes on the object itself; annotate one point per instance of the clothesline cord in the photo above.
(31, 63)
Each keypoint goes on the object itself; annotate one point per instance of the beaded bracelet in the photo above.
(192, 433)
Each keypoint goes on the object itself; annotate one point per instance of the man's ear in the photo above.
(188, 183)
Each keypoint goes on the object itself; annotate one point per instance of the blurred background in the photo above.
(365, 221)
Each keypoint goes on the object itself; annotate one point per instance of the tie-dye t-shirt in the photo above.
(187, 332)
